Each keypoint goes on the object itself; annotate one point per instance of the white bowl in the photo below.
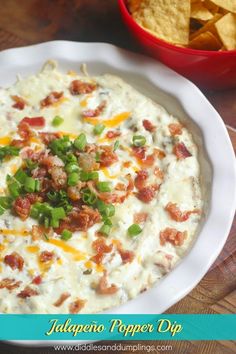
(181, 98)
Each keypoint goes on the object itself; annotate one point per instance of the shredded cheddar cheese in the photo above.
(112, 122)
(5, 140)
(78, 255)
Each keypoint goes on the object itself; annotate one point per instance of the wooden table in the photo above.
(32, 21)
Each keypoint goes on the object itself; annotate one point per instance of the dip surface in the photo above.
(99, 193)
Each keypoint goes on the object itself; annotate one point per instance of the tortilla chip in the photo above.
(205, 41)
(209, 26)
(133, 5)
(226, 28)
(200, 12)
(166, 19)
(229, 5)
(211, 7)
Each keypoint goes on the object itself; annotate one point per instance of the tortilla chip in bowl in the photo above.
(195, 38)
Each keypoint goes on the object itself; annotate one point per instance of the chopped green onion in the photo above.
(57, 121)
(139, 140)
(53, 196)
(54, 223)
(87, 176)
(72, 179)
(34, 212)
(84, 176)
(71, 158)
(46, 237)
(58, 213)
(59, 199)
(110, 210)
(80, 142)
(60, 146)
(38, 209)
(97, 156)
(105, 229)
(37, 185)
(31, 165)
(5, 202)
(134, 230)
(29, 184)
(67, 207)
(88, 196)
(2, 210)
(72, 167)
(93, 175)
(107, 221)
(46, 221)
(14, 189)
(104, 186)
(20, 176)
(66, 235)
(100, 205)
(116, 145)
(87, 271)
(98, 129)
(106, 210)
(8, 151)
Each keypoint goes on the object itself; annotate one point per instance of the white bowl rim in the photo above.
(196, 263)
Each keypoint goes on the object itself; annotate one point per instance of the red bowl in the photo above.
(208, 69)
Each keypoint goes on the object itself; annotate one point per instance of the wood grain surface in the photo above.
(32, 21)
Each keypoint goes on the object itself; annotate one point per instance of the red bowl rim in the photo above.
(125, 11)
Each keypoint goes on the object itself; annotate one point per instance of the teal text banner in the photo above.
(118, 327)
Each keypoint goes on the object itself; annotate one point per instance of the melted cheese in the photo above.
(78, 255)
(110, 123)
(14, 232)
(107, 173)
(32, 249)
(5, 140)
(66, 272)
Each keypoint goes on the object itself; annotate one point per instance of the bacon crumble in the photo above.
(146, 194)
(178, 215)
(100, 247)
(46, 256)
(37, 280)
(22, 205)
(148, 125)
(181, 151)
(95, 112)
(52, 98)
(108, 157)
(127, 256)
(175, 129)
(27, 292)
(14, 260)
(140, 217)
(104, 289)
(79, 220)
(9, 284)
(111, 134)
(140, 179)
(20, 102)
(76, 306)
(173, 236)
(62, 298)
(47, 138)
(78, 87)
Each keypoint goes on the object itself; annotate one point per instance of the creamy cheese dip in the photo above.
(152, 167)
